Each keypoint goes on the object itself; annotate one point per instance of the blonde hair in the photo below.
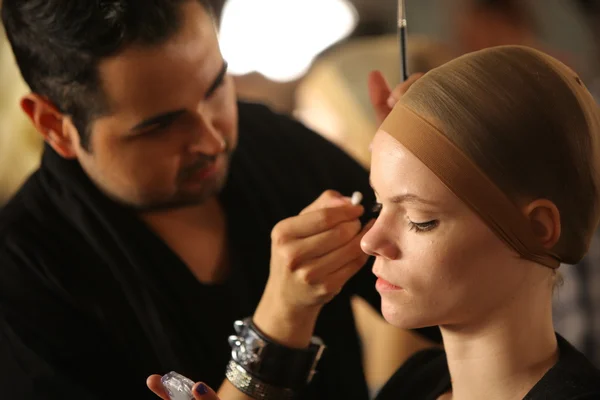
(529, 124)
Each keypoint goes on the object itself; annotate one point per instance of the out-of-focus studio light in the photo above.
(281, 38)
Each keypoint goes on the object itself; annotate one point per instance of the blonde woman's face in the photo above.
(437, 262)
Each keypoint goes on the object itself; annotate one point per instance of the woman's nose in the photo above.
(377, 243)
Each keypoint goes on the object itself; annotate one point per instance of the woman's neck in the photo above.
(503, 355)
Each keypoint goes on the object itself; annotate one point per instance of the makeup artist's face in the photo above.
(173, 120)
(437, 262)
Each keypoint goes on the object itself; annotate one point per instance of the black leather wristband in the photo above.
(285, 366)
(271, 362)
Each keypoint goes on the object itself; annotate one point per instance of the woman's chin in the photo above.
(402, 318)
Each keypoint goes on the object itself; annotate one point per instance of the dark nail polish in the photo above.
(202, 389)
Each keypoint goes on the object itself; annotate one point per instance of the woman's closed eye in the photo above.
(422, 227)
(419, 227)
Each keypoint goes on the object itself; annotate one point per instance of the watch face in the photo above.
(250, 350)
(246, 346)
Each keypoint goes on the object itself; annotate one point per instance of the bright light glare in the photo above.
(281, 38)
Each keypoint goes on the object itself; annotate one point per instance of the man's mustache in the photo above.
(203, 161)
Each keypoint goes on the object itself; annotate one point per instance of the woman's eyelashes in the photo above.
(376, 210)
(422, 227)
(419, 227)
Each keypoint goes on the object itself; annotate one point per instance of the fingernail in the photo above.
(391, 102)
(202, 389)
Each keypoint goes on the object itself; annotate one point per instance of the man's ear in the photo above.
(49, 122)
(544, 218)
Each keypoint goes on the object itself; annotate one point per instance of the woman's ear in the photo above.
(544, 218)
(48, 121)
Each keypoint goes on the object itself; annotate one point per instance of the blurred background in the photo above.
(310, 58)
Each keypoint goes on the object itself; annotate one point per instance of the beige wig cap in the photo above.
(504, 126)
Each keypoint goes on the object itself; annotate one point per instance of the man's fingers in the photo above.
(204, 392)
(154, 383)
(336, 280)
(328, 199)
(341, 276)
(327, 242)
(379, 93)
(401, 89)
(382, 97)
(313, 223)
(338, 259)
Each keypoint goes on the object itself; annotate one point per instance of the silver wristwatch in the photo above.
(272, 363)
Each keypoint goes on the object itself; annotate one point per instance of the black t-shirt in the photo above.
(92, 302)
(425, 376)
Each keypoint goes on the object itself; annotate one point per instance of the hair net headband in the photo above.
(468, 182)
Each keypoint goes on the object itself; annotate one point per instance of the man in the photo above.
(146, 231)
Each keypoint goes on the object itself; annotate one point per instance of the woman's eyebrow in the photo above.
(407, 198)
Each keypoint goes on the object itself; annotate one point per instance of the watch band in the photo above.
(271, 362)
(253, 387)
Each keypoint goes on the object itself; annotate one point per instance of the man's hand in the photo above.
(382, 97)
(312, 256)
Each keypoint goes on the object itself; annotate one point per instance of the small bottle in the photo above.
(177, 386)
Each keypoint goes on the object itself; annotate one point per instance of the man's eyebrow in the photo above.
(161, 119)
(168, 117)
(217, 82)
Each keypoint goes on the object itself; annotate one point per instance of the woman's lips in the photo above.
(384, 286)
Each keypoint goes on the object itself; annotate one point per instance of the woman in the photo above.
(488, 179)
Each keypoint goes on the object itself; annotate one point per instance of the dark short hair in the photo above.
(58, 45)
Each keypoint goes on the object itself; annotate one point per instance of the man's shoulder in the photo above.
(261, 125)
(280, 141)
(16, 216)
(30, 223)
(290, 163)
